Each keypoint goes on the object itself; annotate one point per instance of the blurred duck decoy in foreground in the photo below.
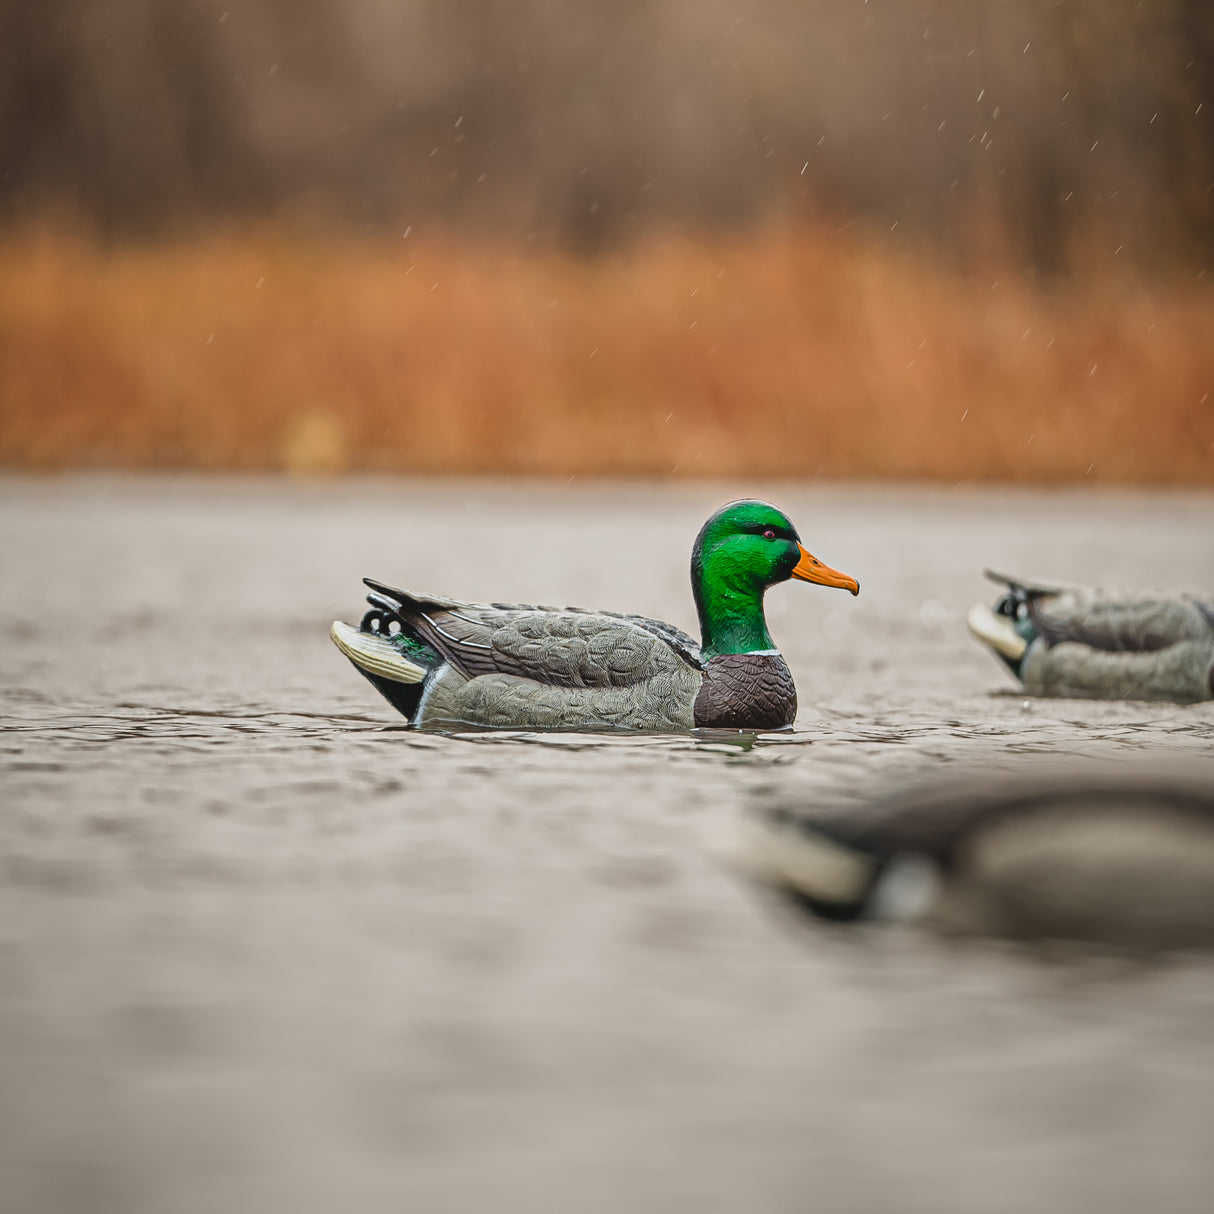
(1098, 645)
(1064, 852)
(447, 664)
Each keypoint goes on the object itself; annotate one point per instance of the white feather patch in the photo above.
(997, 632)
(375, 654)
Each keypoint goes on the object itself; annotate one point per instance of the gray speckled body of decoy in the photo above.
(1097, 644)
(448, 664)
(521, 667)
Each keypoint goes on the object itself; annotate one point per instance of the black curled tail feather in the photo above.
(387, 618)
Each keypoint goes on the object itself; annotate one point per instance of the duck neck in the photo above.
(730, 606)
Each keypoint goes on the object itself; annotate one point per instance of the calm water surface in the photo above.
(261, 948)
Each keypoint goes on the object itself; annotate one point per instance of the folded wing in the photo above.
(561, 647)
(1111, 621)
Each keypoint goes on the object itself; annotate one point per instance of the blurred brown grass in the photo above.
(793, 351)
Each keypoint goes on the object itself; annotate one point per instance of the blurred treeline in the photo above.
(1039, 126)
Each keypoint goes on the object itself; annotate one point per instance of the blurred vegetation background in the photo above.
(840, 238)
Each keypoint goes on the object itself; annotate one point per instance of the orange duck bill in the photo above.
(810, 569)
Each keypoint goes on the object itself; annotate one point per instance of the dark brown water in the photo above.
(262, 949)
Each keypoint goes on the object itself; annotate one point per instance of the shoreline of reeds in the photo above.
(791, 351)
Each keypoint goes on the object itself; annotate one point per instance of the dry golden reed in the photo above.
(790, 352)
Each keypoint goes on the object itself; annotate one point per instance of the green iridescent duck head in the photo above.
(742, 549)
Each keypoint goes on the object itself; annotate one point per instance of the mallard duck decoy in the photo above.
(1096, 644)
(447, 664)
(1072, 851)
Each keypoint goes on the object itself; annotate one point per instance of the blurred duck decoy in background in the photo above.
(1052, 852)
(1095, 644)
(447, 664)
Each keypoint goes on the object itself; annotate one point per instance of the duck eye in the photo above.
(769, 534)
